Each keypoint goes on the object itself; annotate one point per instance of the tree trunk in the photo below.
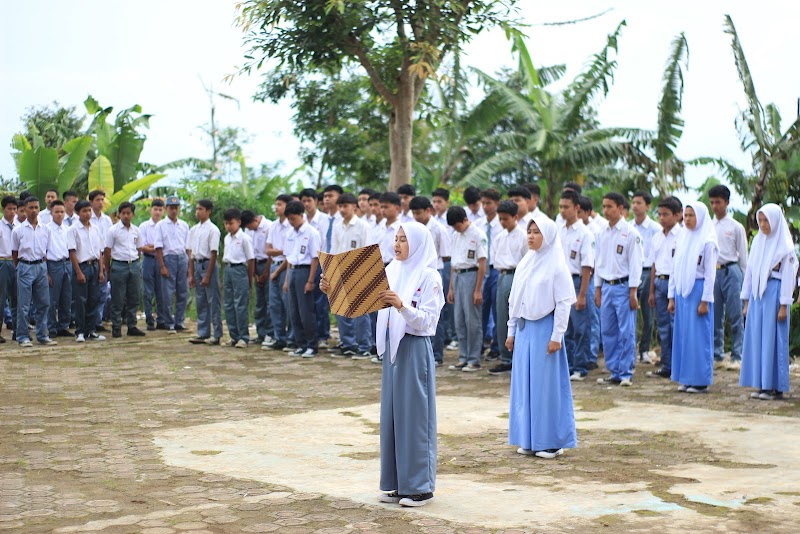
(401, 133)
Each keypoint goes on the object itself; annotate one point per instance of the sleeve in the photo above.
(14, 241)
(671, 286)
(71, 245)
(741, 246)
(247, 247)
(788, 279)
(512, 327)
(315, 244)
(587, 250)
(213, 239)
(635, 260)
(747, 284)
(444, 242)
(110, 238)
(598, 251)
(425, 316)
(140, 239)
(710, 253)
(158, 238)
(481, 249)
(560, 321)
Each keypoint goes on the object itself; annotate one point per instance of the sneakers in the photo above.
(661, 373)
(80, 339)
(525, 452)
(645, 358)
(322, 345)
(213, 341)
(439, 364)
(338, 348)
(273, 345)
(697, 389)
(296, 352)
(549, 453)
(308, 353)
(625, 383)
(135, 332)
(47, 342)
(26, 343)
(116, 332)
(172, 331)
(771, 395)
(472, 368)
(366, 355)
(458, 366)
(95, 337)
(291, 347)
(377, 359)
(615, 381)
(198, 340)
(452, 346)
(500, 369)
(391, 497)
(682, 388)
(241, 344)
(347, 353)
(734, 365)
(577, 377)
(492, 356)
(417, 500)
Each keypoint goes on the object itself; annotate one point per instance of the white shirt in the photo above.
(45, 217)
(320, 223)
(302, 245)
(148, 231)
(171, 237)
(706, 271)
(238, 247)
(467, 248)
(370, 219)
(277, 238)
(732, 241)
(510, 248)
(472, 217)
(783, 271)
(57, 244)
(323, 235)
(124, 242)
(578, 244)
(102, 223)
(442, 219)
(71, 220)
(406, 216)
(86, 242)
(647, 230)
(492, 230)
(426, 303)
(5, 237)
(662, 252)
(560, 321)
(259, 237)
(386, 242)
(441, 241)
(203, 239)
(619, 254)
(29, 242)
(350, 236)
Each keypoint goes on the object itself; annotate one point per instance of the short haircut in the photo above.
(56, 202)
(232, 214)
(420, 203)
(25, 194)
(294, 208)
(308, 193)
(508, 206)
(52, 190)
(247, 217)
(367, 191)
(720, 191)
(69, 193)
(94, 194)
(125, 205)
(333, 187)
(9, 199)
(574, 186)
(647, 197)
(455, 215)
(375, 196)
(79, 205)
(585, 203)
(346, 198)
(157, 203)
(320, 196)
(471, 195)
(535, 190)
(491, 194)
(285, 198)
(520, 192)
(615, 197)
(390, 198)
(678, 202)
(671, 204)
(625, 203)
(31, 199)
(206, 203)
(441, 192)
(572, 196)
(407, 189)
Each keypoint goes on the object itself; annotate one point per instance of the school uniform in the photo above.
(45, 217)
(59, 268)
(262, 318)
(278, 299)
(662, 258)
(124, 244)
(447, 317)
(473, 216)
(386, 240)
(321, 222)
(647, 230)
(171, 238)
(596, 229)
(71, 220)
(103, 223)
(33, 289)
(302, 247)
(203, 241)
(492, 231)
(578, 245)
(238, 252)
(441, 242)
(619, 260)
(510, 248)
(405, 216)
(728, 286)
(354, 333)
(88, 247)
(151, 279)
(369, 219)
(467, 248)
(8, 273)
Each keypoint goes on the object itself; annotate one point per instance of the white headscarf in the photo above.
(768, 250)
(690, 246)
(542, 278)
(405, 277)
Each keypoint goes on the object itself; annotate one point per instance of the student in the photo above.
(422, 209)
(170, 243)
(584, 214)
(151, 276)
(541, 420)
(320, 222)
(85, 253)
(521, 196)
(102, 222)
(352, 232)
(533, 203)
(578, 246)
(375, 211)
(364, 211)
(406, 192)
(45, 215)
(70, 198)
(662, 257)
(330, 197)
(466, 288)
(440, 199)
(278, 300)
(302, 255)
(489, 224)
(257, 227)
(8, 274)
(123, 243)
(618, 271)
(390, 208)
(510, 247)
(767, 290)
(691, 290)
(203, 248)
(376, 235)
(472, 198)
(577, 189)
(59, 272)
(728, 286)
(647, 228)
(238, 260)
(29, 249)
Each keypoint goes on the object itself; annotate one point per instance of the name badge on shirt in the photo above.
(303, 249)
(470, 254)
(417, 297)
(352, 244)
(573, 254)
(620, 248)
(699, 260)
(673, 252)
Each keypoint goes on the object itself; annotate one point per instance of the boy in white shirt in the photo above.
(171, 235)
(123, 243)
(85, 252)
(8, 274)
(364, 210)
(489, 224)
(406, 192)
(151, 277)
(59, 271)
(102, 223)
(238, 260)
(647, 228)
(203, 248)
(278, 300)
(320, 221)
(257, 227)
(440, 199)
(45, 216)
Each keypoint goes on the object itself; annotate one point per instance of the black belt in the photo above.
(229, 264)
(646, 268)
(616, 282)
(725, 266)
(299, 267)
(57, 261)
(259, 262)
(576, 276)
(88, 262)
(470, 270)
(662, 276)
(149, 255)
(34, 262)
(125, 261)
(201, 260)
(276, 263)
(445, 259)
(507, 271)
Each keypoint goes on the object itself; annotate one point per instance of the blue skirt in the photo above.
(765, 355)
(540, 415)
(693, 340)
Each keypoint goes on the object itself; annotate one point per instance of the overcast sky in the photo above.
(154, 53)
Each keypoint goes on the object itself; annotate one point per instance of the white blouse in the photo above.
(706, 271)
(785, 273)
(423, 314)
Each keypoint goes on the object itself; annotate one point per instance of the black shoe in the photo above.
(162, 326)
(151, 327)
(2, 339)
(198, 340)
(493, 356)
(257, 341)
(662, 373)
(64, 333)
(276, 345)
(417, 500)
(100, 328)
(116, 332)
(500, 369)
(592, 366)
(133, 331)
(180, 328)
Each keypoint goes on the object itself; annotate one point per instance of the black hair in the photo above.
(574, 186)
(308, 192)
(232, 214)
(286, 199)
(585, 203)
(79, 205)
(616, 198)
(9, 199)
(94, 194)
(520, 192)
(407, 189)
(347, 198)
(390, 198)
(625, 203)
(31, 199)
(571, 195)
(508, 206)
(720, 191)
(679, 203)
(441, 192)
(25, 194)
(69, 193)
(375, 196)
(420, 203)
(157, 203)
(472, 195)
(647, 197)
(320, 197)
(56, 202)
(535, 190)
(54, 190)
(456, 214)
(206, 203)
(247, 217)
(294, 208)
(125, 205)
(333, 187)
(491, 194)
(367, 191)
(670, 203)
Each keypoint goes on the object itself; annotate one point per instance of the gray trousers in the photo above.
(176, 286)
(503, 293)
(467, 318)
(207, 300)
(33, 293)
(151, 291)
(262, 318)
(237, 301)
(86, 299)
(643, 294)
(60, 314)
(124, 292)
(8, 289)
(302, 309)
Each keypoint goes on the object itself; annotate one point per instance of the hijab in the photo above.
(542, 278)
(405, 277)
(690, 246)
(769, 250)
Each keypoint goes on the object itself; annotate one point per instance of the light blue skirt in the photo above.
(693, 340)
(540, 415)
(765, 355)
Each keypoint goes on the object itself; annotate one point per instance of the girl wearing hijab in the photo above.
(691, 291)
(767, 291)
(541, 418)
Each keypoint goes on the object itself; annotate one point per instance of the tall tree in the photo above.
(398, 43)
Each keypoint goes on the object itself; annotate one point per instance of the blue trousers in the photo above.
(446, 316)
(33, 293)
(86, 299)
(489, 310)
(468, 318)
(302, 310)
(208, 302)
(60, 314)
(503, 293)
(618, 329)
(355, 333)
(8, 289)
(261, 312)
(176, 286)
(278, 305)
(237, 301)
(578, 339)
(643, 294)
(727, 302)
(666, 323)
(595, 336)
(151, 291)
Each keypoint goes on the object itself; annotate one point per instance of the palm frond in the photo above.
(670, 123)
(594, 153)
(514, 101)
(732, 174)
(551, 74)
(481, 174)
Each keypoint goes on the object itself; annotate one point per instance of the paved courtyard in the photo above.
(160, 436)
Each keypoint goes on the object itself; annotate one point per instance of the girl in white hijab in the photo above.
(691, 292)
(541, 418)
(767, 290)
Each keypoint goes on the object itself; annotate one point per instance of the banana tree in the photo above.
(40, 167)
